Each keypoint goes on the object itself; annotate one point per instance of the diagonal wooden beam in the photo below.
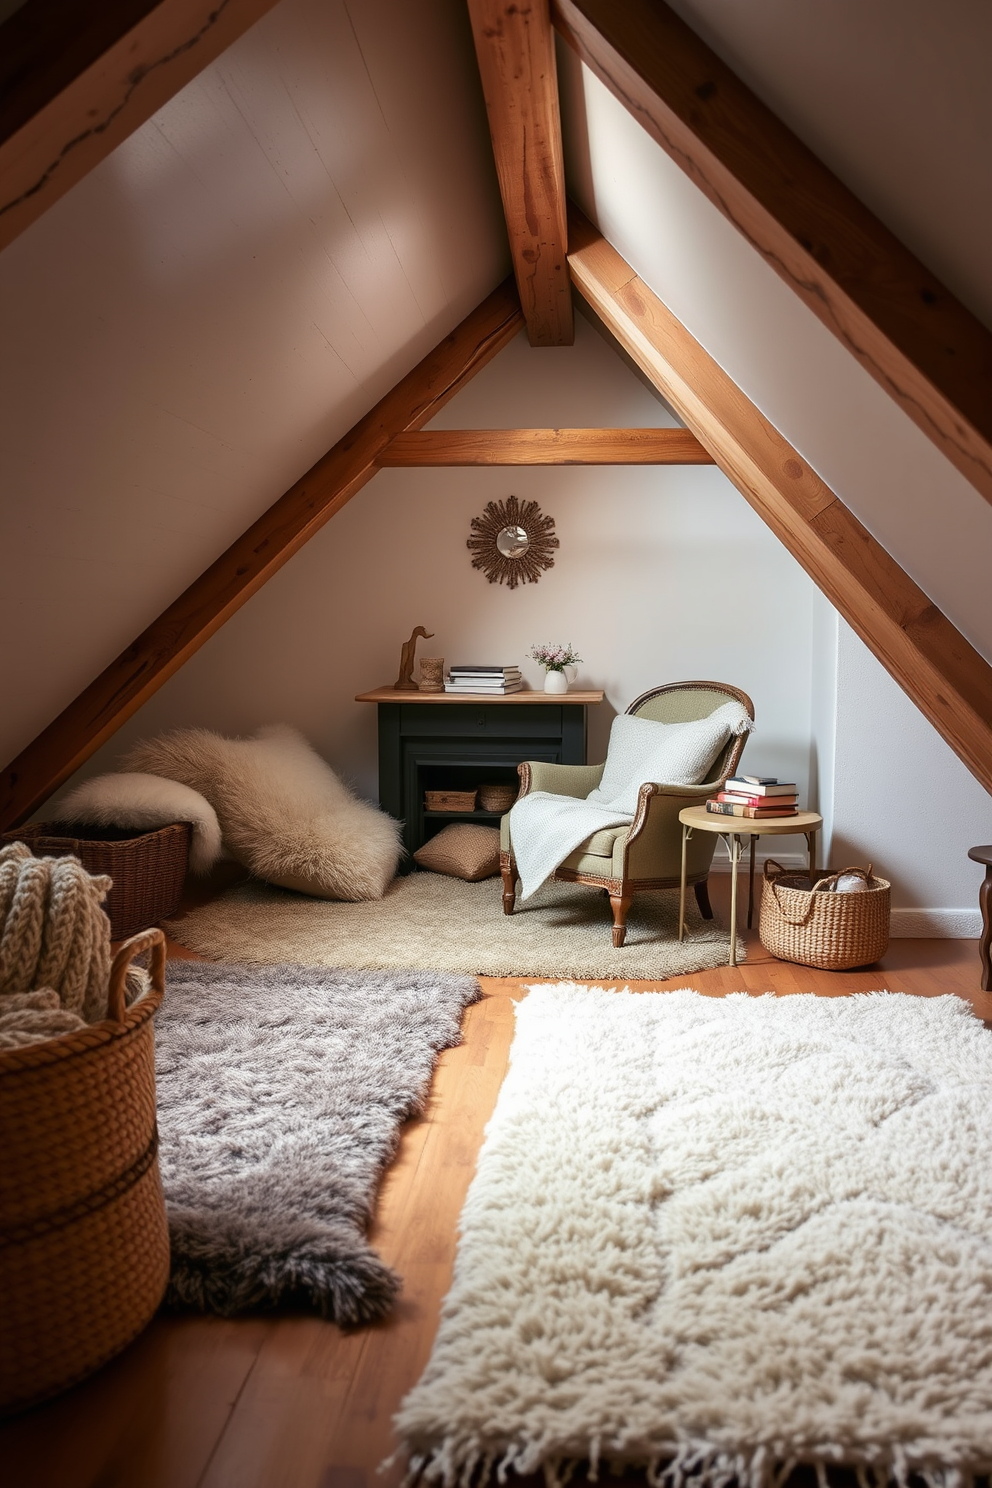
(515, 46)
(249, 562)
(76, 79)
(546, 447)
(945, 677)
(919, 343)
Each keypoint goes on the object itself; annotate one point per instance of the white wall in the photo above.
(662, 574)
(895, 794)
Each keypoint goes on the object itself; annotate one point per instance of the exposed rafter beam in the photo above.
(515, 46)
(77, 78)
(945, 677)
(546, 447)
(920, 343)
(246, 565)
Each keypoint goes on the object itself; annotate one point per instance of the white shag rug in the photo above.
(716, 1237)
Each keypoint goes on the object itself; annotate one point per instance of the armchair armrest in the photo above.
(560, 780)
(653, 848)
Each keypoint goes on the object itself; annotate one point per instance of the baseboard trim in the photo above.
(937, 924)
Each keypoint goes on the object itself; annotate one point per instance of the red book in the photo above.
(738, 798)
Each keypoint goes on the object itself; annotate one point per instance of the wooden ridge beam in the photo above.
(944, 676)
(252, 559)
(919, 343)
(515, 46)
(546, 447)
(77, 79)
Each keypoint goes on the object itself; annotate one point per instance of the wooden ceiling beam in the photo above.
(546, 447)
(919, 343)
(933, 663)
(250, 561)
(77, 79)
(515, 46)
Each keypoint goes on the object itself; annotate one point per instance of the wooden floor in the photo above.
(295, 1403)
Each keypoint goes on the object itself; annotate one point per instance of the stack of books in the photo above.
(755, 796)
(497, 680)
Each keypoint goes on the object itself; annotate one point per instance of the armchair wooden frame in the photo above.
(658, 808)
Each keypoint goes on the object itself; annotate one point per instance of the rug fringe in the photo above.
(459, 1464)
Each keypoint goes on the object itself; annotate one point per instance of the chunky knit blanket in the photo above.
(54, 946)
(546, 828)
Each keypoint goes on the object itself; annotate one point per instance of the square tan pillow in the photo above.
(462, 851)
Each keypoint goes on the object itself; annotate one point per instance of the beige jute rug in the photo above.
(428, 922)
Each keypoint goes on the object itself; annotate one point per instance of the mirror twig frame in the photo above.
(524, 567)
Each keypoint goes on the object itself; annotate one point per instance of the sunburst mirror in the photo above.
(513, 542)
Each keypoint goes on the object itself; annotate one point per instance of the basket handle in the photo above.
(145, 940)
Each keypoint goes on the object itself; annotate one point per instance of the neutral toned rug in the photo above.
(281, 1093)
(723, 1236)
(433, 922)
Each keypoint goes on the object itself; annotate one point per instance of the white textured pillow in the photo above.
(642, 749)
(283, 811)
(134, 800)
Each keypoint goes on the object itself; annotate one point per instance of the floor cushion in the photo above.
(283, 812)
(463, 850)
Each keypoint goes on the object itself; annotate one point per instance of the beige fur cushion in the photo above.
(462, 850)
(283, 812)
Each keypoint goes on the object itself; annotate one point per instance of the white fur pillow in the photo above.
(283, 811)
(146, 801)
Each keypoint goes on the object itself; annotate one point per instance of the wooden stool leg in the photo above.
(702, 892)
(620, 904)
(985, 944)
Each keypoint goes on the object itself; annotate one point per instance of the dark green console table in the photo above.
(439, 741)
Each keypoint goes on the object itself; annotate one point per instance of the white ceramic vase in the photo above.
(555, 682)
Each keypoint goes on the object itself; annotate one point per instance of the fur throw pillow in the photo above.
(146, 801)
(283, 812)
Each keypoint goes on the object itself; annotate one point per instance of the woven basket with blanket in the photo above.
(84, 1250)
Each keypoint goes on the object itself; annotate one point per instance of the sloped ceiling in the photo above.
(199, 319)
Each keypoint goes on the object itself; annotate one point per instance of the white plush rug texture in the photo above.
(436, 923)
(719, 1237)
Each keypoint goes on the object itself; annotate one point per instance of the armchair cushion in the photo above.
(668, 753)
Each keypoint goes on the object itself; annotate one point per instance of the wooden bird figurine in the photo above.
(404, 682)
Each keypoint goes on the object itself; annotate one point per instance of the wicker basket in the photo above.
(148, 868)
(449, 800)
(497, 797)
(818, 928)
(84, 1248)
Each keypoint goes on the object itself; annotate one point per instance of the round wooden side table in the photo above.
(734, 830)
(984, 855)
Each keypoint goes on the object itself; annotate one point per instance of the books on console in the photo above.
(488, 679)
(756, 797)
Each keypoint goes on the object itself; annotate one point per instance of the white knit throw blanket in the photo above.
(546, 828)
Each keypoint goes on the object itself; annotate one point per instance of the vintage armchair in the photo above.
(625, 861)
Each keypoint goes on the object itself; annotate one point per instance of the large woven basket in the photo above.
(148, 868)
(84, 1248)
(817, 927)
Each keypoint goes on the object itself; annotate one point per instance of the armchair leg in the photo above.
(702, 892)
(508, 873)
(620, 904)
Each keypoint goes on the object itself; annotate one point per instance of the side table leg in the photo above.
(811, 846)
(985, 944)
(685, 838)
(734, 844)
(750, 884)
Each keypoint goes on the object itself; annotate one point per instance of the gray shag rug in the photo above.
(281, 1093)
(436, 923)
